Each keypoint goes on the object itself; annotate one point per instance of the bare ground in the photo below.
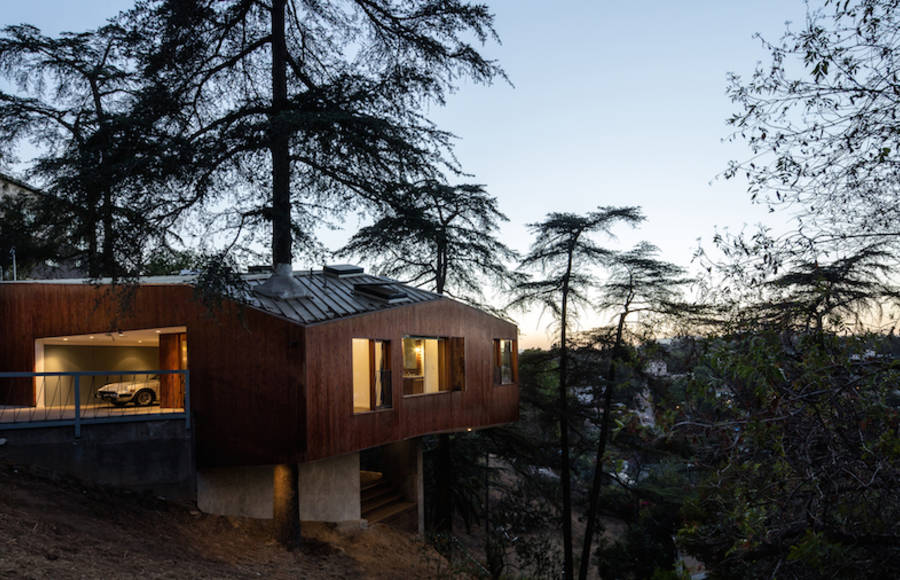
(62, 530)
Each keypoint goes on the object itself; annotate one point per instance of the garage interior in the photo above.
(118, 353)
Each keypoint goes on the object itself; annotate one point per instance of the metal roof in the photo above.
(330, 297)
(327, 297)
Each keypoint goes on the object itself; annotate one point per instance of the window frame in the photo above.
(497, 362)
(385, 372)
(451, 366)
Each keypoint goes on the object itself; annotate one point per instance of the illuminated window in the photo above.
(371, 375)
(433, 365)
(505, 362)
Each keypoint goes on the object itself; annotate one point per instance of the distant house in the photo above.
(343, 381)
(10, 186)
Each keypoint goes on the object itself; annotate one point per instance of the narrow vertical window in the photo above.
(371, 375)
(505, 362)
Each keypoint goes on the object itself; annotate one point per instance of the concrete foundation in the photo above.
(329, 490)
(154, 456)
(236, 491)
(403, 467)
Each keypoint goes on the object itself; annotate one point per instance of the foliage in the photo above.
(564, 253)
(438, 236)
(821, 118)
(25, 227)
(78, 99)
(638, 283)
(797, 442)
(298, 111)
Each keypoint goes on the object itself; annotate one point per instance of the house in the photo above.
(10, 186)
(343, 380)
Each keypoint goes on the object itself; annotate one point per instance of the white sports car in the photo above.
(141, 391)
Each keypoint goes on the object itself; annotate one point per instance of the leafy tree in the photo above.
(797, 444)
(836, 295)
(25, 228)
(440, 237)
(77, 98)
(638, 283)
(795, 426)
(327, 95)
(821, 118)
(563, 252)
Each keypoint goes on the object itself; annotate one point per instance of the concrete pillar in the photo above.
(285, 513)
(236, 491)
(329, 489)
(403, 467)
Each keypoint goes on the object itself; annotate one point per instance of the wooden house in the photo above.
(342, 379)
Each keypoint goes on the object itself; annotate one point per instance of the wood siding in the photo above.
(265, 390)
(332, 427)
(246, 367)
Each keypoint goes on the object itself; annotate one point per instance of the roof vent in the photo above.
(341, 270)
(381, 292)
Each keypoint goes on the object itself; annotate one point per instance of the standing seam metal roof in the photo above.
(331, 297)
(327, 297)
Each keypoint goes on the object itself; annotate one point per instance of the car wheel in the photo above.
(143, 398)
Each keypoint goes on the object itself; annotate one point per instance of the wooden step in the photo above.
(373, 504)
(389, 511)
(375, 491)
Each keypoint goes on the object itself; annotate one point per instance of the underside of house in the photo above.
(343, 380)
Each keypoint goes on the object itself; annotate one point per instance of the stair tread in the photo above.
(381, 483)
(376, 493)
(372, 505)
(389, 510)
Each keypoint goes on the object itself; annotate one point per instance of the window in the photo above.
(505, 361)
(371, 375)
(433, 365)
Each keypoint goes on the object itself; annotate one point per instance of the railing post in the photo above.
(77, 406)
(187, 399)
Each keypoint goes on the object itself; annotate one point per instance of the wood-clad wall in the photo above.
(246, 367)
(265, 390)
(333, 428)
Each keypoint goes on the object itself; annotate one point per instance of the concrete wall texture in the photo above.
(329, 490)
(155, 456)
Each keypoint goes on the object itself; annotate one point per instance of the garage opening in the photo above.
(125, 359)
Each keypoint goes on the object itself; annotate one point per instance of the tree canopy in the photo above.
(821, 118)
(440, 237)
(328, 96)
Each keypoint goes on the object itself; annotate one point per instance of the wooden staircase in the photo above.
(381, 502)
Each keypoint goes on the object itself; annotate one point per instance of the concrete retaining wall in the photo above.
(154, 456)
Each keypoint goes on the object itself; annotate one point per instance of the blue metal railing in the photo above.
(62, 403)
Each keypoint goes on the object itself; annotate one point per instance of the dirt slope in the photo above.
(62, 530)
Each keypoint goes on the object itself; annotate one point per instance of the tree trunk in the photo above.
(109, 259)
(601, 451)
(280, 143)
(286, 505)
(564, 472)
(286, 492)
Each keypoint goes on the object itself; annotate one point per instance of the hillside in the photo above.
(52, 529)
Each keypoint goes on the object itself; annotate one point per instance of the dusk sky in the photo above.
(614, 103)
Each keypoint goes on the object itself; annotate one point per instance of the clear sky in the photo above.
(614, 103)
